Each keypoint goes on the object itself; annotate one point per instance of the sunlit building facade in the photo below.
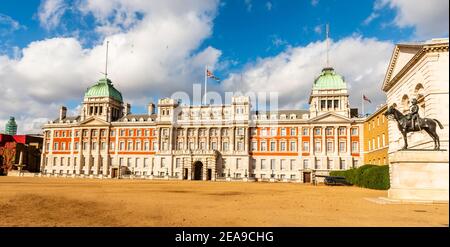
(205, 142)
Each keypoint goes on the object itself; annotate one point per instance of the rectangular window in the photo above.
(317, 131)
(146, 162)
(293, 146)
(112, 133)
(354, 147)
(163, 162)
(305, 131)
(305, 164)
(318, 146)
(130, 146)
(354, 131)
(272, 146)
(342, 164)
(238, 163)
(318, 164)
(139, 133)
(305, 147)
(55, 147)
(273, 132)
(129, 162)
(85, 145)
(76, 146)
(283, 131)
(131, 132)
(282, 165)
(292, 165)
(94, 146)
(342, 147)
(342, 131)
(63, 145)
(330, 146)
(178, 163)
(122, 146)
(329, 131)
(254, 146)
(263, 146)
(122, 132)
(272, 164)
(263, 164)
(293, 132)
(147, 132)
(283, 146)
(138, 146)
(146, 146)
(264, 132)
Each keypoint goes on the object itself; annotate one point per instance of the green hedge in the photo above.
(367, 176)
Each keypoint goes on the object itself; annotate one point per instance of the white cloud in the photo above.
(249, 5)
(8, 25)
(429, 18)
(269, 6)
(50, 13)
(292, 72)
(314, 2)
(318, 29)
(370, 18)
(154, 56)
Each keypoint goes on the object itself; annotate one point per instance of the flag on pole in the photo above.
(209, 74)
(366, 99)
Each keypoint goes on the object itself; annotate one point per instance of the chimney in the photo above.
(62, 112)
(151, 108)
(126, 109)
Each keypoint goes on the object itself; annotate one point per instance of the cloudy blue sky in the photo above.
(52, 50)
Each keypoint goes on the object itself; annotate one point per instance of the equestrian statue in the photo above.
(412, 122)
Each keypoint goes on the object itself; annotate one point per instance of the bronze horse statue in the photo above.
(427, 124)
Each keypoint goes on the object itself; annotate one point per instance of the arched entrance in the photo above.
(198, 170)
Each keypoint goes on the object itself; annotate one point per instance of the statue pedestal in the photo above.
(419, 175)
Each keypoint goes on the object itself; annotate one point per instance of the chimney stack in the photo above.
(62, 113)
(151, 108)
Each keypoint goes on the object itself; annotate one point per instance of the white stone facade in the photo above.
(419, 71)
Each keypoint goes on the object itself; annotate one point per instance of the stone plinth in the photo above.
(419, 175)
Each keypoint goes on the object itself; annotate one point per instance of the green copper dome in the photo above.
(328, 79)
(103, 88)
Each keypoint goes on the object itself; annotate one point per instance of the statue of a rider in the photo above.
(413, 116)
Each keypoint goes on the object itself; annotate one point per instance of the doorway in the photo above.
(198, 170)
(307, 177)
(114, 172)
(209, 174)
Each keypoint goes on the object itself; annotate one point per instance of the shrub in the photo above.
(367, 176)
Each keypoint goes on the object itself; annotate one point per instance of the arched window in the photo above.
(419, 94)
(405, 103)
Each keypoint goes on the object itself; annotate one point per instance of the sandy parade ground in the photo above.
(35, 201)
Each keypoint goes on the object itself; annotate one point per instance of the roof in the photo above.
(76, 118)
(103, 88)
(298, 113)
(130, 117)
(329, 79)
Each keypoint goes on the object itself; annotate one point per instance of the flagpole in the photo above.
(206, 80)
(362, 103)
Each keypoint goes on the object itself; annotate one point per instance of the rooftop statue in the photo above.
(412, 122)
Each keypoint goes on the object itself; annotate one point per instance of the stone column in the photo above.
(208, 131)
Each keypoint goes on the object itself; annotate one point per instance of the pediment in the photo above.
(93, 121)
(401, 55)
(330, 118)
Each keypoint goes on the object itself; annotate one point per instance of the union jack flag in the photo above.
(366, 99)
(211, 75)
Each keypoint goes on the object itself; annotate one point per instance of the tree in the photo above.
(8, 152)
